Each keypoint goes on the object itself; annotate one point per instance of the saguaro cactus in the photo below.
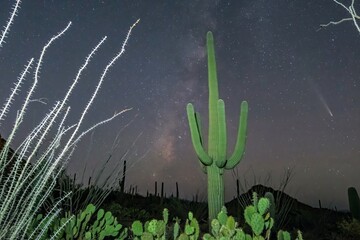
(354, 203)
(122, 181)
(215, 160)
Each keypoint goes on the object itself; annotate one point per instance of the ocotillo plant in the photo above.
(21, 201)
(215, 161)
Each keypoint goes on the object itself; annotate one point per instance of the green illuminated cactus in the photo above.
(272, 208)
(176, 228)
(225, 227)
(183, 236)
(215, 160)
(137, 228)
(192, 228)
(105, 226)
(222, 216)
(263, 205)
(153, 229)
(78, 228)
(283, 235)
(257, 216)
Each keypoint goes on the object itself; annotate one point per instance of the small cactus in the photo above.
(192, 228)
(272, 208)
(137, 228)
(176, 228)
(263, 205)
(222, 216)
(153, 229)
(283, 235)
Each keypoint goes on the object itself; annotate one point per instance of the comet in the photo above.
(323, 101)
(321, 98)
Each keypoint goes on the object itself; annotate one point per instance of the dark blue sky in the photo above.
(302, 86)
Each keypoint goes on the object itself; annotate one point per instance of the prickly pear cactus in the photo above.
(224, 227)
(258, 217)
(137, 228)
(77, 227)
(192, 229)
(283, 235)
(157, 229)
(153, 229)
(176, 229)
(272, 208)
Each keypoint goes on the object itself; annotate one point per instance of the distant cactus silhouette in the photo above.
(122, 181)
(215, 161)
(354, 203)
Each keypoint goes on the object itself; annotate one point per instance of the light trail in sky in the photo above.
(321, 97)
(323, 101)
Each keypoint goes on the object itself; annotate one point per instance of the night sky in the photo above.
(302, 85)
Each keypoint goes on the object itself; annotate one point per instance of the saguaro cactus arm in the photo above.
(196, 136)
(241, 138)
(199, 125)
(222, 142)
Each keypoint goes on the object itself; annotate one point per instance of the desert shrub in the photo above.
(127, 213)
(349, 228)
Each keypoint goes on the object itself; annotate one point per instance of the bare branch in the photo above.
(354, 17)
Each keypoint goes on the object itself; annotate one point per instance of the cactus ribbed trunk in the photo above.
(215, 191)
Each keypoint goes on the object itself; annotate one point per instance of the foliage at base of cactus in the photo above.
(224, 227)
(126, 213)
(79, 227)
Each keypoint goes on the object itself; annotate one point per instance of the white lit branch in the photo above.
(354, 16)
